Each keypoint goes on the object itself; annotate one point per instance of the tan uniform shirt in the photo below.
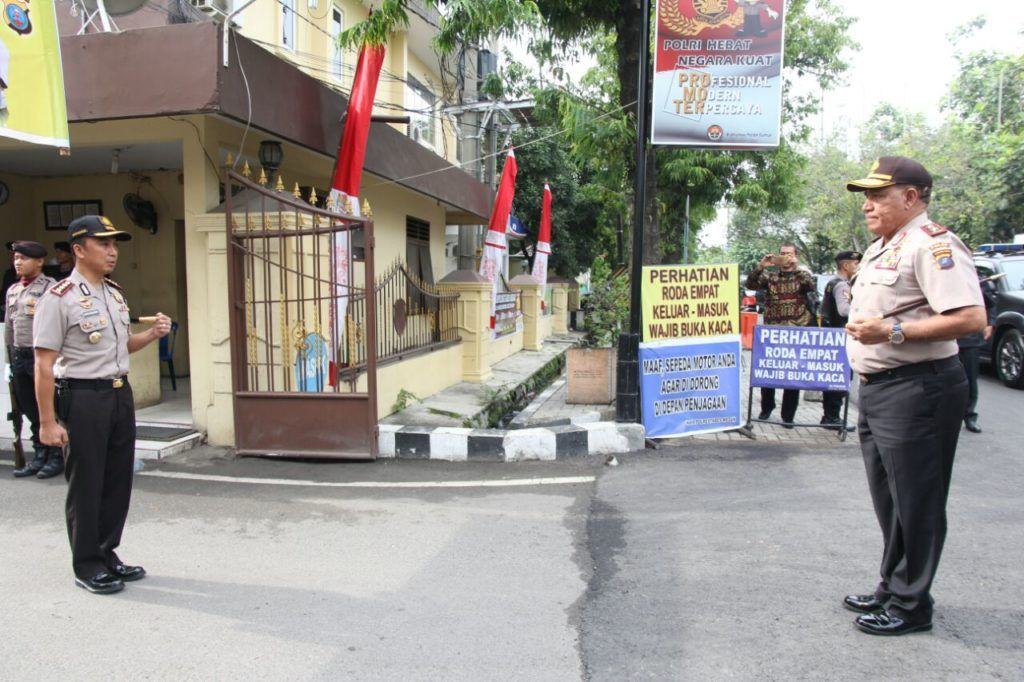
(922, 260)
(88, 326)
(22, 302)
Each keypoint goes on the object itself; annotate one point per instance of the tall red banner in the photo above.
(718, 73)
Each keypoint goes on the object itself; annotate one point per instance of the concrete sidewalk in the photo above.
(468, 405)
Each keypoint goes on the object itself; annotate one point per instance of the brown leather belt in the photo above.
(916, 369)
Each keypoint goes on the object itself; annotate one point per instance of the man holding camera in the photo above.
(786, 287)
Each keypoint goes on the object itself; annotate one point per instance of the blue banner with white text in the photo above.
(805, 358)
(690, 386)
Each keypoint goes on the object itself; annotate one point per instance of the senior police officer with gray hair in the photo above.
(83, 327)
(915, 293)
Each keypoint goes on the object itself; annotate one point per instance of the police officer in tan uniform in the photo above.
(913, 388)
(83, 337)
(22, 300)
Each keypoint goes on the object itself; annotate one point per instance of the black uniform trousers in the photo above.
(970, 357)
(790, 401)
(909, 428)
(23, 378)
(832, 404)
(100, 466)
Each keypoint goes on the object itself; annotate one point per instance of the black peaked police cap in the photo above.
(95, 226)
(894, 170)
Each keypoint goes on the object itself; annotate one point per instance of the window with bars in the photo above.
(417, 255)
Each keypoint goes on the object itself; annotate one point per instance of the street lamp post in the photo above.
(627, 380)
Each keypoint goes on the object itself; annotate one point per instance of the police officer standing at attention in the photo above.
(835, 313)
(82, 326)
(22, 301)
(913, 389)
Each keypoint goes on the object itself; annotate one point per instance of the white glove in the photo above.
(772, 14)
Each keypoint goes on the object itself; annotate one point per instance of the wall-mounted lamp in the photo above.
(271, 154)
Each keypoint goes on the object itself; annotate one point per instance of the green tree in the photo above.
(599, 116)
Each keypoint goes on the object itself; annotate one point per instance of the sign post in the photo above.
(690, 357)
(802, 358)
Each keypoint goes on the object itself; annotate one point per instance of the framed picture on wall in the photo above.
(57, 215)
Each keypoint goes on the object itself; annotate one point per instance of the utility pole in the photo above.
(999, 106)
(686, 233)
(627, 383)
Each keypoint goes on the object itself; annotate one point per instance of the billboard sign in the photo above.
(718, 73)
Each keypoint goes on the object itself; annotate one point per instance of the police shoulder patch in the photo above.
(112, 283)
(62, 287)
(942, 254)
(933, 229)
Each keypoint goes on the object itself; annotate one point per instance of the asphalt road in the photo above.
(703, 561)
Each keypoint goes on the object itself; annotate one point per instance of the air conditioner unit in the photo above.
(217, 8)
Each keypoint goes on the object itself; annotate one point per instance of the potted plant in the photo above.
(591, 365)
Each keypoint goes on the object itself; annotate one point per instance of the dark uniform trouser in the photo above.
(909, 428)
(23, 376)
(971, 360)
(101, 458)
(790, 401)
(832, 403)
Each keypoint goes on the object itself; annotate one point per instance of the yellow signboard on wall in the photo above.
(688, 301)
(32, 105)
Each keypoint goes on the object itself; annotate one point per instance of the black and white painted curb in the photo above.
(513, 445)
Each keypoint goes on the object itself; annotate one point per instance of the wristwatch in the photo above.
(896, 336)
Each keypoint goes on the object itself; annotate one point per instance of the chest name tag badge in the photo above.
(84, 289)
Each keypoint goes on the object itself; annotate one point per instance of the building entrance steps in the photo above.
(164, 429)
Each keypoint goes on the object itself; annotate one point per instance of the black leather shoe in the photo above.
(765, 414)
(128, 573)
(101, 583)
(54, 465)
(885, 623)
(33, 467)
(863, 603)
(971, 423)
(787, 425)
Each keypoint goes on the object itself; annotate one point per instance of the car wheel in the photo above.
(1009, 359)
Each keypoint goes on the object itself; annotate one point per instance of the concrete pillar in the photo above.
(574, 296)
(559, 307)
(532, 295)
(473, 320)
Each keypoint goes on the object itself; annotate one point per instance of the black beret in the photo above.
(848, 255)
(30, 249)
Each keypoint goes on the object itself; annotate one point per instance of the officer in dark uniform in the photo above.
(835, 313)
(970, 355)
(83, 327)
(23, 298)
(913, 389)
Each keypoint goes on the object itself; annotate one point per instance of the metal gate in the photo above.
(303, 334)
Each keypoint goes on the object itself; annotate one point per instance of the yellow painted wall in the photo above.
(504, 347)
(423, 375)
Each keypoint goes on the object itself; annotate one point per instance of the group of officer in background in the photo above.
(68, 338)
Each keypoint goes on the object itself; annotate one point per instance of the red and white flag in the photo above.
(348, 174)
(543, 250)
(495, 244)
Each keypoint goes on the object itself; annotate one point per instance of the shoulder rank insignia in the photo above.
(62, 287)
(942, 254)
(112, 283)
(933, 229)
